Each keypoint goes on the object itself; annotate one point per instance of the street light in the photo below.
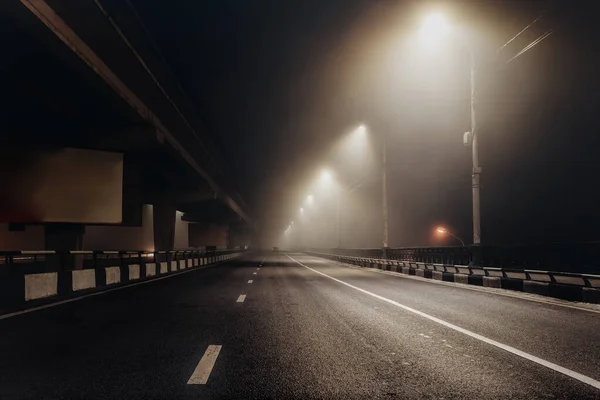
(442, 230)
(362, 129)
(436, 26)
(326, 176)
(309, 199)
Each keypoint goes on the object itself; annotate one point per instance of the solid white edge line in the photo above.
(241, 298)
(205, 366)
(488, 290)
(58, 303)
(250, 281)
(555, 367)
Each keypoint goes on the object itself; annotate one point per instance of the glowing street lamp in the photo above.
(443, 231)
(326, 176)
(310, 199)
(434, 27)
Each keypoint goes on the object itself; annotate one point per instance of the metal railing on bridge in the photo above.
(37, 261)
(559, 257)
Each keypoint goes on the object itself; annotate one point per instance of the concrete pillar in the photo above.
(62, 238)
(164, 226)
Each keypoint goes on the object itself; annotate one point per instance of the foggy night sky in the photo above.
(279, 82)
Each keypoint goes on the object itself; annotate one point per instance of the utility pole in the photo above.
(339, 239)
(476, 172)
(384, 200)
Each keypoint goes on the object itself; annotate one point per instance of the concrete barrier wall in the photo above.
(150, 270)
(536, 287)
(38, 286)
(30, 289)
(492, 281)
(164, 267)
(570, 287)
(134, 272)
(83, 279)
(113, 275)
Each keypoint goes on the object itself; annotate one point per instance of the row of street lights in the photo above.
(326, 177)
(434, 27)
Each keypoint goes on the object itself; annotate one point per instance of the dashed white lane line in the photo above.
(205, 366)
(254, 273)
(241, 298)
(510, 349)
(258, 269)
(250, 281)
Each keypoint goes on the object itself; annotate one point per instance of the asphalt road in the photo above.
(306, 329)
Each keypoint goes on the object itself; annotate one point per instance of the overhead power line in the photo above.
(531, 45)
(518, 34)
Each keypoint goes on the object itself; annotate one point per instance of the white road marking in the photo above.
(205, 366)
(258, 269)
(241, 298)
(499, 292)
(510, 349)
(250, 281)
(254, 273)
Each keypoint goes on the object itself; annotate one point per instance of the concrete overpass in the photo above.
(85, 74)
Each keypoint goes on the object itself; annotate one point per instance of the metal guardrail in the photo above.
(32, 261)
(555, 277)
(583, 258)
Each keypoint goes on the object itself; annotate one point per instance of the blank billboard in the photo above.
(63, 185)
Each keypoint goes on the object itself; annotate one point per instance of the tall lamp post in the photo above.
(361, 130)
(476, 168)
(384, 198)
(436, 25)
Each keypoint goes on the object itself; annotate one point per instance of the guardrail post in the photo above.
(476, 256)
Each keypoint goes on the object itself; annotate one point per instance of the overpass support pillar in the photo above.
(164, 215)
(62, 238)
